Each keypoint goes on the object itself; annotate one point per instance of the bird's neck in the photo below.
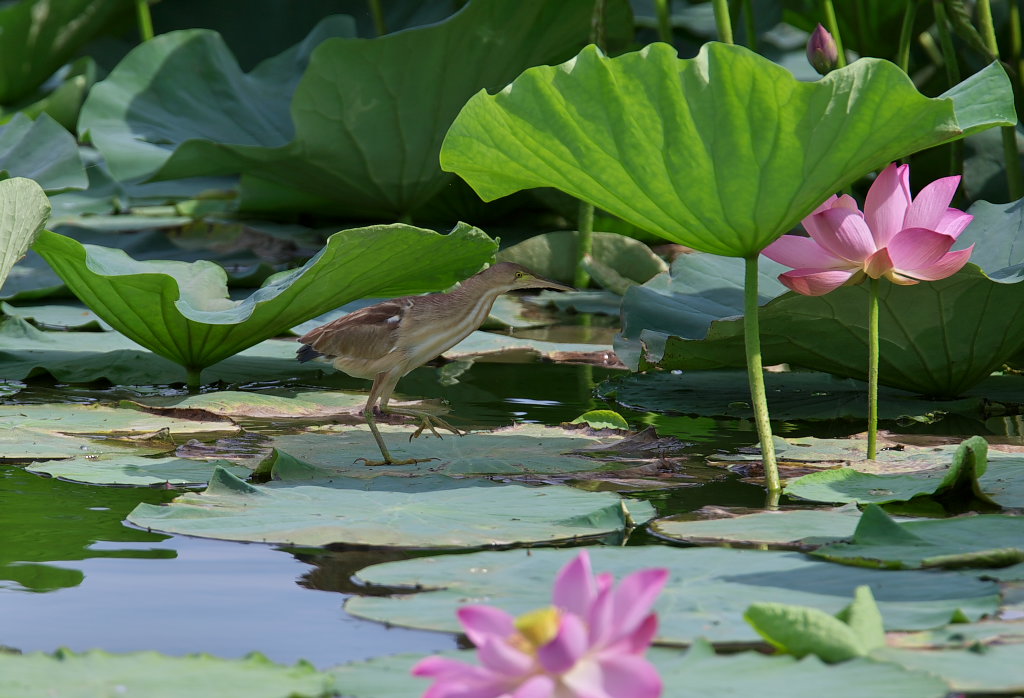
(476, 296)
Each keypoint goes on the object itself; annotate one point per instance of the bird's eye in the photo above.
(519, 275)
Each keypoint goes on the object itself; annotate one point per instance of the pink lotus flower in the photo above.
(905, 240)
(589, 644)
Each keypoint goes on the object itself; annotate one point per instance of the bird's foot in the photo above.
(429, 422)
(405, 461)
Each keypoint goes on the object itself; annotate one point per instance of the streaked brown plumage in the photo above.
(383, 342)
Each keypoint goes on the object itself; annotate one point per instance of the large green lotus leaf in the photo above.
(938, 338)
(83, 357)
(984, 541)
(707, 593)
(133, 117)
(136, 471)
(697, 290)
(645, 136)
(41, 150)
(24, 209)
(698, 672)
(367, 121)
(525, 449)
(996, 233)
(801, 529)
(41, 35)
(553, 255)
(340, 511)
(97, 673)
(796, 395)
(182, 311)
(994, 669)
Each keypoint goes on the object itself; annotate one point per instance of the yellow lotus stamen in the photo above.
(538, 627)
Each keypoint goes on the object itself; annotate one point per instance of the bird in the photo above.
(383, 342)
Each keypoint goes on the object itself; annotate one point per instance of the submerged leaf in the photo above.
(644, 135)
(182, 311)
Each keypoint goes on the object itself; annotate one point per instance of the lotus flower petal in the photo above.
(482, 622)
(879, 264)
(948, 265)
(569, 645)
(811, 282)
(575, 588)
(918, 248)
(803, 253)
(846, 234)
(535, 687)
(888, 199)
(501, 657)
(931, 203)
(953, 222)
(634, 597)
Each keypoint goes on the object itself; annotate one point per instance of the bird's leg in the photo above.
(383, 383)
(427, 421)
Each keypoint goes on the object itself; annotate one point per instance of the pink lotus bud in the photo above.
(821, 51)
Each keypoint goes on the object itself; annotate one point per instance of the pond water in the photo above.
(73, 575)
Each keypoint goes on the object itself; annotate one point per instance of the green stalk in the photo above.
(722, 21)
(192, 381)
(872, 368)
(584, 243)
(906, 34)
(378, 18)
(145, 20)
(755, 374)
(833, 28)
(952, 65)
(1014, 177)
(751, 27)
(664, 20)
(597, 24)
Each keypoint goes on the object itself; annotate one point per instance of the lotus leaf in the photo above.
(135, 471)
(367, 121)
(939, 339)
(801, 529)
(983, 541)
(525, 449)
(697, 672)
(64, 317)
(82, 357)
(41, 150)
(41, 35)
(707, 593)
(644, 135)
(230, 403)
(98, 673)
(554, 255)
(490, 344)
(984, 670)
(339, 511)
(797, 395)
(182, 311)
(996, 233)
(23, 212)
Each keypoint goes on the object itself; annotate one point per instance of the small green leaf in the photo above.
(801, 631)
(602, 419)
(864, 618)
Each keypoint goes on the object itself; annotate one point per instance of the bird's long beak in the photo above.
(541, 282)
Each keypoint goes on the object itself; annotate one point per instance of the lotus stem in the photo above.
(833, 28)
(192, 381)
(597, 24)
(906, 32)
(378, 18)
(722, 20)
(872, 368)
(145, 20)
(755, 374)
(584, 243)
(750, 25)
(1014, 177)
(664, 20)
(952, 65)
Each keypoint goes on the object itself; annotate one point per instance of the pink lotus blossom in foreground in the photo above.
(905, 240)
(589, 644)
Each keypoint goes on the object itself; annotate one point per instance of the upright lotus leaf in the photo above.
(39, 36)
(723, 152)
(368, 115)
(24, 209)
(133, 117)
(182, 311)
(41, 150)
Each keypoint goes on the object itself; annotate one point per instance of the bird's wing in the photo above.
(368, 333)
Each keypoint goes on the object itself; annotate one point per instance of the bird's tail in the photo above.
(306, 353)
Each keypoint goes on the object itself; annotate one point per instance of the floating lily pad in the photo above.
(98, 673)
(802, 529)
(182, 311)
(652, 153)
(324, 513)
(43, 151)
(524, 449)
(595, 302)
(57, 316)
(491, 345)
(982, 670)
(231, 403)
(699, 671)
(707, 593)
(791, 395)
(136, 471)
(984, 541)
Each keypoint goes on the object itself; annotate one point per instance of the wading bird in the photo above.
(383, 342)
